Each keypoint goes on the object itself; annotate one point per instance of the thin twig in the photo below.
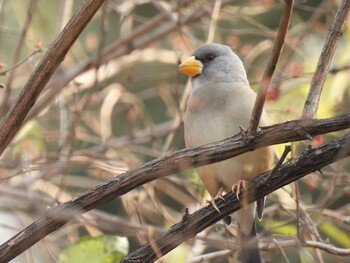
(5, 100)
(213, 22)
(299, 215)
(324, 62)
(211, 256)
(271, 66)
(287, 149)
(310, 224)
(21, 62)
(328, 248)
(339, 69)
(64, 16)
(281, 249)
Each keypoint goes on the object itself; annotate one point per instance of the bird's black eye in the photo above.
(209, 57)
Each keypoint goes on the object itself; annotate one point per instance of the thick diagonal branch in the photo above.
(311, 160)
(178, 161)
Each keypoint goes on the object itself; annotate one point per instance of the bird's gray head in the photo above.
(216, 63)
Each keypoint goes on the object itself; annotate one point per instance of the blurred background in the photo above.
(117, 101)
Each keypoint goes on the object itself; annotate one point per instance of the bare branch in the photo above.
(6, 99)
(328, 248)
(281, 244)
(271, 66)
(324, 62)
(21, 62)
(192, 224)
(178, 161)
(47, 66)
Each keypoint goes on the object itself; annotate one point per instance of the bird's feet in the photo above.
(213, 199)
(236, 188)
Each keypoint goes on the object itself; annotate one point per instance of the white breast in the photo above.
(216, 113)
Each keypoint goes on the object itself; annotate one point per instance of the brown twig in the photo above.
(178, 161)
(282, 250)
(336, 70)
(299, 219)
(328, 248)
(213, 22)
(47, 66)
(324, 62)
(287, 149)
(5, 100)
(271, 66)
(21, 62)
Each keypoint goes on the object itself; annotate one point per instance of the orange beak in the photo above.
(191, 67)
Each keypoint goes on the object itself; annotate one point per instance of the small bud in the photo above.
(38, 45)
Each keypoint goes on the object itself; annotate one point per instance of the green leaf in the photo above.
(280, 227)
(102, 249)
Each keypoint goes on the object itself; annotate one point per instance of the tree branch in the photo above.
(47, 66)
(328, 248)
(282, 244)
(324, 62)
(190, 225)
(178, 161)
(271, 66)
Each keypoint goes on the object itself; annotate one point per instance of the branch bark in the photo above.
(324, 62)
(190, 225)
(47, 66)
(178, 161)
(271, 66)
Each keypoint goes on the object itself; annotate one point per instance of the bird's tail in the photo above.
(250, 247)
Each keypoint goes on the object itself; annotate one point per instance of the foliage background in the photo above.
(93, 121)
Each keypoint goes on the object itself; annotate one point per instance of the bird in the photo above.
(219, 106)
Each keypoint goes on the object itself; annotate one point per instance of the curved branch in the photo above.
(328, 248)
(192, 224)
(178, 161)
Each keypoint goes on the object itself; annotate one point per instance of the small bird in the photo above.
(220, 105)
